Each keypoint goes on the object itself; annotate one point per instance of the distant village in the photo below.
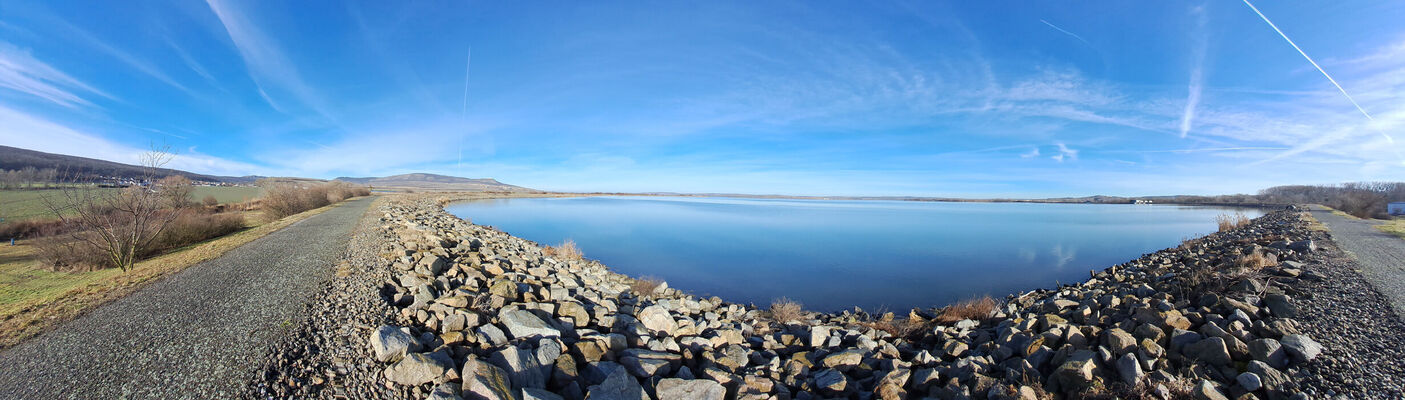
(47, 178)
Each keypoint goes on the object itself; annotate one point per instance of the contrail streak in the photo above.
(1197, 74)
(1388, 139)
(1309, 59)
(1057, 28)
(463, 114)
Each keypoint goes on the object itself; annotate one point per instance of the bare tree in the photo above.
(175, 190)
(120, 223)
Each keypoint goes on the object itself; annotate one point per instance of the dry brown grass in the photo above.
(1229, 222)
(785, 310)
(979, 308)
(1257, 260)
(567, 250)
(645, 285)
(902, 328)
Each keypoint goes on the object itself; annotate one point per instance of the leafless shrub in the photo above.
(282, 200)
(122, 224)
(32, 228)
(175, 190)
(785, 310)
(64, 253)
(567, 250)
(210, 201)
(979, 308)
(192, 227)
(645, 285)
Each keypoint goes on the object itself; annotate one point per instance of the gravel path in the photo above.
(1361, 333)
(200, 333)
(1380, 255)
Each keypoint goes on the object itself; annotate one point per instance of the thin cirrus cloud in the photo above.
(21, 72)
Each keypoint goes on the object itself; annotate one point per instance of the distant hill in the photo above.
(17, 158)
(432, 182)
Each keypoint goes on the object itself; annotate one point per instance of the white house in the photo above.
(1396, 208)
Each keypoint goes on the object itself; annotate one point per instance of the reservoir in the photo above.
(836, 254)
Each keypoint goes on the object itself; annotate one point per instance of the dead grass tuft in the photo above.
(977, 309)
(567, 250)
(902, 328)
(785, 310)
(1257, 260)
(1229, 222)
(645, 285)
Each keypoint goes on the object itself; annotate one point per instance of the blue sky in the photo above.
(974, 99)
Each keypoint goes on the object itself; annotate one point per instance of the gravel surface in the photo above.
(1361, 333)
(200, 333)
(324, 357)
(1380, 255)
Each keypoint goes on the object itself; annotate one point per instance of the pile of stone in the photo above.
(483, 314)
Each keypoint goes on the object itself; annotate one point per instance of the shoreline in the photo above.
(470, 311)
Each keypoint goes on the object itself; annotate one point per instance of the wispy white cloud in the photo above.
(137, 63)
(1034, 152)
(267, 65)
(1065, 153)
(21, 72)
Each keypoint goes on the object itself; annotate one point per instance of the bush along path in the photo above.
(198, 333)
(445, 309)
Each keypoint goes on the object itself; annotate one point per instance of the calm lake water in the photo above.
(832, 255)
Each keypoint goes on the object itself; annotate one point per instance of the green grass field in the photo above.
(226, 194)
(19, 205)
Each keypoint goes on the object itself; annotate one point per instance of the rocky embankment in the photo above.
(466, 311)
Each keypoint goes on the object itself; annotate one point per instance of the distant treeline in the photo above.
(1361, 199)
(28, 177)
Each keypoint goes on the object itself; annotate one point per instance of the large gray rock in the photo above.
(1269, 351)
(846, 358)
(416, 369)
(619, 385)
(434, 264)
(1301, 347)
(1120, 341)
(702, 389)
(522, 367)
(831, 380)
(445, 391)
(1275, 383)
(1129, 369)
(523, 323)
(576, 311)
(390, 343)
(1280, 305)
(1078, 373)
(493, 335)
(1210, 350)
(483, 380)
(1249, 381)
(657, 319)
(818, 335)
(1207, 391)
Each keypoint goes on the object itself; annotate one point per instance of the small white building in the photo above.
(1396, 208)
